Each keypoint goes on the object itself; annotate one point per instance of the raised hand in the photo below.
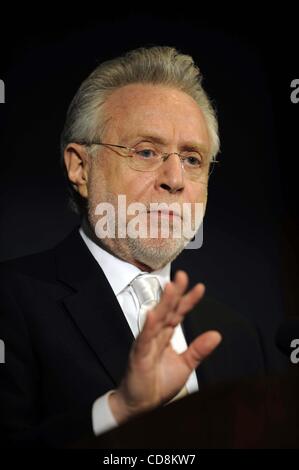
(156, 373)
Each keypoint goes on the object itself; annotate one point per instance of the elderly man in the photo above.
(140, 127)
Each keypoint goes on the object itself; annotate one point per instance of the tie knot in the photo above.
(147, 289)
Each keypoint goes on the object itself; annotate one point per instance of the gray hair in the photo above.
(153, 65)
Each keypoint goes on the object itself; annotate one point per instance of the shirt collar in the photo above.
(126, 272)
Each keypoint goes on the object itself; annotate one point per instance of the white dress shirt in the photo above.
(102, 417)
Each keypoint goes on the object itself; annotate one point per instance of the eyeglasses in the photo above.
(147, 157)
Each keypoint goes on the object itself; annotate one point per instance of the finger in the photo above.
(186, 304)
(164, 312)
(172, 294)
(147, 343)
(154, 329)
(200, 348)
(144, 340)
(181, 281)
(168, 313)
(180, 284)
(189, 300)
(163, 341)
(168, 303)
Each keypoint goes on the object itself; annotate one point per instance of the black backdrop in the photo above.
(249, 255)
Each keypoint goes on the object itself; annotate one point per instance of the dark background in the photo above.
(248, 59)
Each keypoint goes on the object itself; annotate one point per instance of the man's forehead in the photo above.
(147, 106)
(149, 98)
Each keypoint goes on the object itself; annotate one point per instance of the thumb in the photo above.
(200, 348)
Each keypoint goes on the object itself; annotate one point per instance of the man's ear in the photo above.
(76, 161)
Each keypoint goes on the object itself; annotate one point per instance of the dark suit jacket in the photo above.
(67, 343)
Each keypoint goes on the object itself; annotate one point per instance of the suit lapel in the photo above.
(93, 306)
(96, 312)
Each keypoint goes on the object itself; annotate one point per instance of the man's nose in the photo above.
(170, 175)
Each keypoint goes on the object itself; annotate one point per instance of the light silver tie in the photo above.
(148, 291)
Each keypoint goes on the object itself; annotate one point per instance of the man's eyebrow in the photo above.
(188, 145)
(151, 138)
(196, 146)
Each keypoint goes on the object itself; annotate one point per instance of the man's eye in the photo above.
(146, 153)
(194, 161)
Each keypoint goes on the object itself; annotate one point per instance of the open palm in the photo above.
(156, 373)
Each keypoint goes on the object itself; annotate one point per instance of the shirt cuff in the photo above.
(102, 417)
